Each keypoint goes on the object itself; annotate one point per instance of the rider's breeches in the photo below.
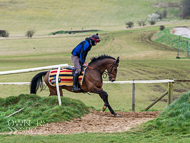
(76, 63)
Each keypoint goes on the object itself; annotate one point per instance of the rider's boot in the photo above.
(75, 82)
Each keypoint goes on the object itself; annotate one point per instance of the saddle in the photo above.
(65, 76)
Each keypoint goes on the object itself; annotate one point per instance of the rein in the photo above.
(89, 67)
(92, 68)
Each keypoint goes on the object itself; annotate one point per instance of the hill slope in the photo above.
(174, 119)
(45, 16)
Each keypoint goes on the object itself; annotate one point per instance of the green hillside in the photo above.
(38, 108)
(174, 119)
(166, 38)
(45, 16)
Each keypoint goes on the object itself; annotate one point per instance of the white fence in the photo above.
(32, 69)
(35, 69)
(106, 82)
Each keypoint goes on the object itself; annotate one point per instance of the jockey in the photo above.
(78, 57)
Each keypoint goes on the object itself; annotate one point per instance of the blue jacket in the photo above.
(82, 49)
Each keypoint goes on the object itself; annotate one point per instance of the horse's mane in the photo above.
(93, 59)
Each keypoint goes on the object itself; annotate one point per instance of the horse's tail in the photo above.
(37, 82)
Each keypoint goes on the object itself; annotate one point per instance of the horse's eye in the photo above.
(115, 69)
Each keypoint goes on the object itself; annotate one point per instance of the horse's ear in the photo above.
(117, 61)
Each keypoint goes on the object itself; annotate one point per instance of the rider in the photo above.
(78, 56)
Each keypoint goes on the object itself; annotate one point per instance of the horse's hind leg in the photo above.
(53, 91)
(60, 91)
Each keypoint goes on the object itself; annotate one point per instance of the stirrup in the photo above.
(75, 88)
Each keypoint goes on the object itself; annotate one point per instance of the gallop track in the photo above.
(96, 121)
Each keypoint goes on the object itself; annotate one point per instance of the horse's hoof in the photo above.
(104, 108)
(116, 115)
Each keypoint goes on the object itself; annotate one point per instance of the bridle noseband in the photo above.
(105, 74)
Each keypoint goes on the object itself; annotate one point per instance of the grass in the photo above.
(140, 59)
(37, 109)
(172, 125)
(97, 137)
(175, 119)
(49, 16)
(171, 40)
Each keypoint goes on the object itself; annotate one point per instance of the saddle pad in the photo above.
(65, 77)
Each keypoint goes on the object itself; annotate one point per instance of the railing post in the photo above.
(133, 95)
(170, 93)
(57, 86)
(156, 100)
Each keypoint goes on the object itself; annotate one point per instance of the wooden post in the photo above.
(170, 93)
(133, 96)
(156, 100)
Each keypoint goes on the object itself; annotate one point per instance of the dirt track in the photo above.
(96, 121)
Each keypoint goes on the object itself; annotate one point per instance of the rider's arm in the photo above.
(84, 52)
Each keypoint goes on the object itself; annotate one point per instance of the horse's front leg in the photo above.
(104, 97)
(104, 107)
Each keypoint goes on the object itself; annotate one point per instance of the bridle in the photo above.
(106, 73)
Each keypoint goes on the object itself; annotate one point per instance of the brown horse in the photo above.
(92, 81)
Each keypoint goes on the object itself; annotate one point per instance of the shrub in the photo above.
(30, 33)
(162, 27)
(4, 33)
(152, 19)
(160, 14)
(130, 24)
(141, 23)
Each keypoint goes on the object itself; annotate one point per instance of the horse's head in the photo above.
(108, 63)
(112, 70)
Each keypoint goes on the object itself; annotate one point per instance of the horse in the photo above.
(92, 82)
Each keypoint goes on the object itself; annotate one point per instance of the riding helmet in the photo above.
(95, 38)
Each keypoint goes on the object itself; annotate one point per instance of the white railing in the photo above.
(141, 81)
(115, 82)
(64, 65)
(34, 69)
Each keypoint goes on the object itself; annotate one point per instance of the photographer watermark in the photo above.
(26, 126)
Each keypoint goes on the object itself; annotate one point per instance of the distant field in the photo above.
(18, 16)
(140, 59)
